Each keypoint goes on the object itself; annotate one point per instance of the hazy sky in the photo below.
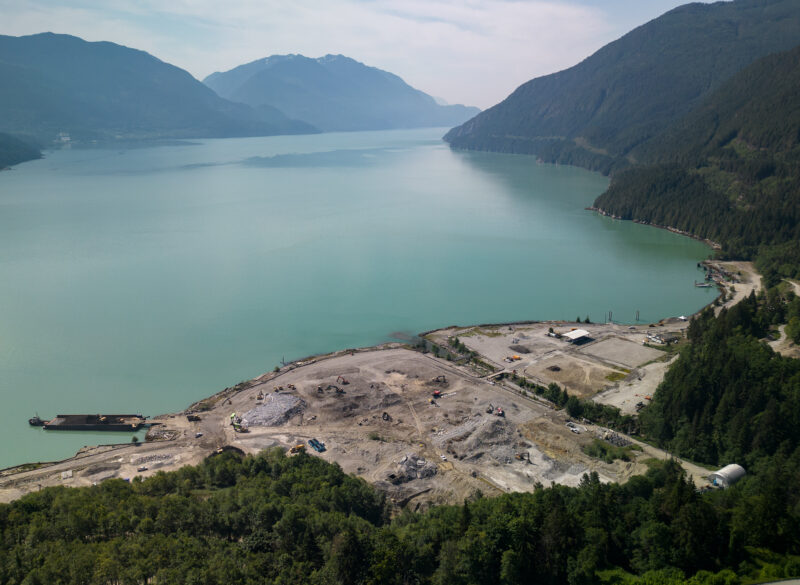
(471, 51)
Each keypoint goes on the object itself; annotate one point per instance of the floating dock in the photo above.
(96, 422)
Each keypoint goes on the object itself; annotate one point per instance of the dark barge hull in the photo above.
(96, 422)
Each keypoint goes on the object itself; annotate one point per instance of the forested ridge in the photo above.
(730, 171)
(694, 114)
(599, 113)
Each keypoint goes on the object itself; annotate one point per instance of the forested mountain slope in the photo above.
(334, 93)
(730, 170)
(60, 83)
(729, 398)
(14, 151)
(598, 112)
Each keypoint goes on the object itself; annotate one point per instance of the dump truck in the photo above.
(299, 448)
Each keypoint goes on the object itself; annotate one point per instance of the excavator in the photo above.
(343, 380)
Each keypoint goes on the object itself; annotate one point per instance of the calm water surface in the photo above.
(142, 280)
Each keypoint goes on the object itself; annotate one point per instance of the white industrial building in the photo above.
(575, 335)
(727, 476)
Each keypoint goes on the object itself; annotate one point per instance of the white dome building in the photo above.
(727, 476)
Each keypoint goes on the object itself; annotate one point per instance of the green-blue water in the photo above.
(142, 280)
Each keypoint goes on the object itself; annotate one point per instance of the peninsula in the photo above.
(427, 426)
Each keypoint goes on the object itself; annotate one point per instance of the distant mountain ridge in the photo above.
(334, 93)
(599, 113)
(56, 83)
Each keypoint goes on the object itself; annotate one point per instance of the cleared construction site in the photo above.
(425, 424)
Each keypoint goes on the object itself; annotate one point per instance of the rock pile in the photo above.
(412, 467)
(276, 410)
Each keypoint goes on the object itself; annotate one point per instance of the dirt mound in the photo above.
(276, 410)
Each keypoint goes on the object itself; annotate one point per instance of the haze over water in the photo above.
(142, 280)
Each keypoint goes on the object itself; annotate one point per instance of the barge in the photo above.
(96, 422)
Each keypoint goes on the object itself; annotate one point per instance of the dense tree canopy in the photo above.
(729, 171)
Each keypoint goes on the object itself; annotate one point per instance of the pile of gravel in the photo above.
(493, 437)
(276, 410)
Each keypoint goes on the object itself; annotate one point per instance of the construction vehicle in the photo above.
(386, 416)
(490, 409)
(437, 393)
(240, 428)
(431, 401)
(192, 418)
(318, 446)
(439, 380)
(499, 412)
(291, 387)
(343, 380)
(299, 448)
(335, 389)
(523, 457)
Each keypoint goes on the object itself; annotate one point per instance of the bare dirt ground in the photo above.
(749, 281)
(785, 346)
(639, 386)
(374, 410)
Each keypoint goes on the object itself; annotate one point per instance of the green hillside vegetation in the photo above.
(729, 397)
(103, 91)
(274, 519)
(730, 170)
(14, 151)
(599, 113)
(334, 93)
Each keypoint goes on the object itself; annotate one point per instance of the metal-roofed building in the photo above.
(575, 335)
(727, 476)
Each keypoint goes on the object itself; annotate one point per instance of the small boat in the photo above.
(36, 421)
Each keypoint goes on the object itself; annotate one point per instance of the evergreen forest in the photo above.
(730, 171)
